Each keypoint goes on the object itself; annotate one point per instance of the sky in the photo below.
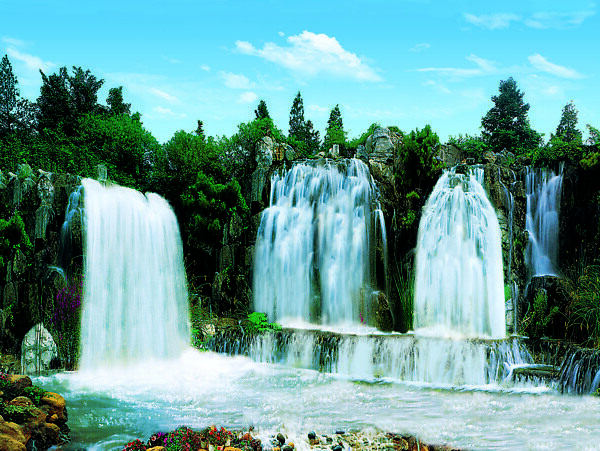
(406, 63)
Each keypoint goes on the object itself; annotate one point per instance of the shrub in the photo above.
(259, 324)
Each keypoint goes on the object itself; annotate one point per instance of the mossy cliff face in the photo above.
(30, 280)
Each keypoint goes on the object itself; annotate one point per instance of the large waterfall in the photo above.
(316, 246)
(543, 202)
(135, 295)
(459, 288)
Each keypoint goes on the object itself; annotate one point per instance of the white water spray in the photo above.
(459, 288)
(543, 201)
(316, 245)
(135, 295)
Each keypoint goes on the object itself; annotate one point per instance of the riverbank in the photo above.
(214, 438)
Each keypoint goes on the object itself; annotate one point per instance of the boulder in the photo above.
(451, 155)
(21, 401)
(8, 443)
(382, 145)
(383, 314)
(290, 153)
(20, 381)
(56, 405)
(361, 153)
(19, 265)
(38, 349)
(335, 150)
(264, 152)
(9, 430)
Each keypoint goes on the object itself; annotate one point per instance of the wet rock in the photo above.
(279, 152)
(56, 406)
(312, 435)
(361, 153)
(287, 448)
(21, 401)
(20, 382)
(335, 150)
(225, 258)
(489, 157)
(383, 314)
(337, 448)
(19, 265)
(280, 438)
(157, 448)
(259, 179)
(38, 349)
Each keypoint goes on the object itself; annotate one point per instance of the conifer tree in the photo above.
(9, 98)
(567, 128)
(261, 110)
(506, 126)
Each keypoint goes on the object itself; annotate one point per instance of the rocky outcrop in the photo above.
(31, 419)
(29, 285)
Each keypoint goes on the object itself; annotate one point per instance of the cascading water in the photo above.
(543, 201)
(135, 295)
(459, 278)
(316, 245)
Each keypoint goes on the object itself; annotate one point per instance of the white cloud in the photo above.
(317, 108)
(437, 86)
(542, 64)
(162, 111)
(248, 97)
(552, 90)
(539, 20)
(13, 41)
(420, 47)
(205, 68)
(168, 59)
(164, 95)
(492, 21)
(236, 81)
(313, 54)
(543, 20)
(31, 62)
(281, 33)
(483, 67)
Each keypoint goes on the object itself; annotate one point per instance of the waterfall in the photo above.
(543, 201)
(459, 288)
(135, 295)
(315, 252)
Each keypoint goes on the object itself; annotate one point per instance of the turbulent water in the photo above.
(543, 201)
(316, 245)
(459, 287)
(135, 295)
(109, 408)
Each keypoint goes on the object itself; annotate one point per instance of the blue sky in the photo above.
(405, 63)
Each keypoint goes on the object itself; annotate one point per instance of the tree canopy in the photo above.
(506, 125)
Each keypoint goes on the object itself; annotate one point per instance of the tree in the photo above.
(297, 123)
(567, 127)
(335, 133)
(115, 102)
(65, 98)
(261, 110)
(302, 135)
(506, 126)
(9, 97)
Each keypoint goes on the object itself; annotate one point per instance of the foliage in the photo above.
(567, 128)
(592, 159)
(135, 445)
(506, 126)
(216, 436)
(584, 308)
(16, 414)
(65, 98)
(65, 320)
(261, 111)
(115, 102)
(539, 316)
(334, 134)
(302, 136)
(473, 146)
(120, 142)
(404, 283)
(35, 394)
(183, 439)
(556, 150)
(9, 97)
(13, 237)
(258, 323)
(362, 139)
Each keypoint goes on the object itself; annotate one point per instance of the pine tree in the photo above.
(200, 130)
(506, 126)
(567, 128)
(297, 124)
(9, 98)
(261, 110)
(335, 133)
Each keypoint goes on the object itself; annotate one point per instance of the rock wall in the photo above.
(27, 292)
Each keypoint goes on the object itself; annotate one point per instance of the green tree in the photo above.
(261, 110)
(9, 98)
(335, 133)
(473, 146)
(567, 128)
(302, 135)
(200, 130)
(115, 102)
(506, 126)
(65, 98)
